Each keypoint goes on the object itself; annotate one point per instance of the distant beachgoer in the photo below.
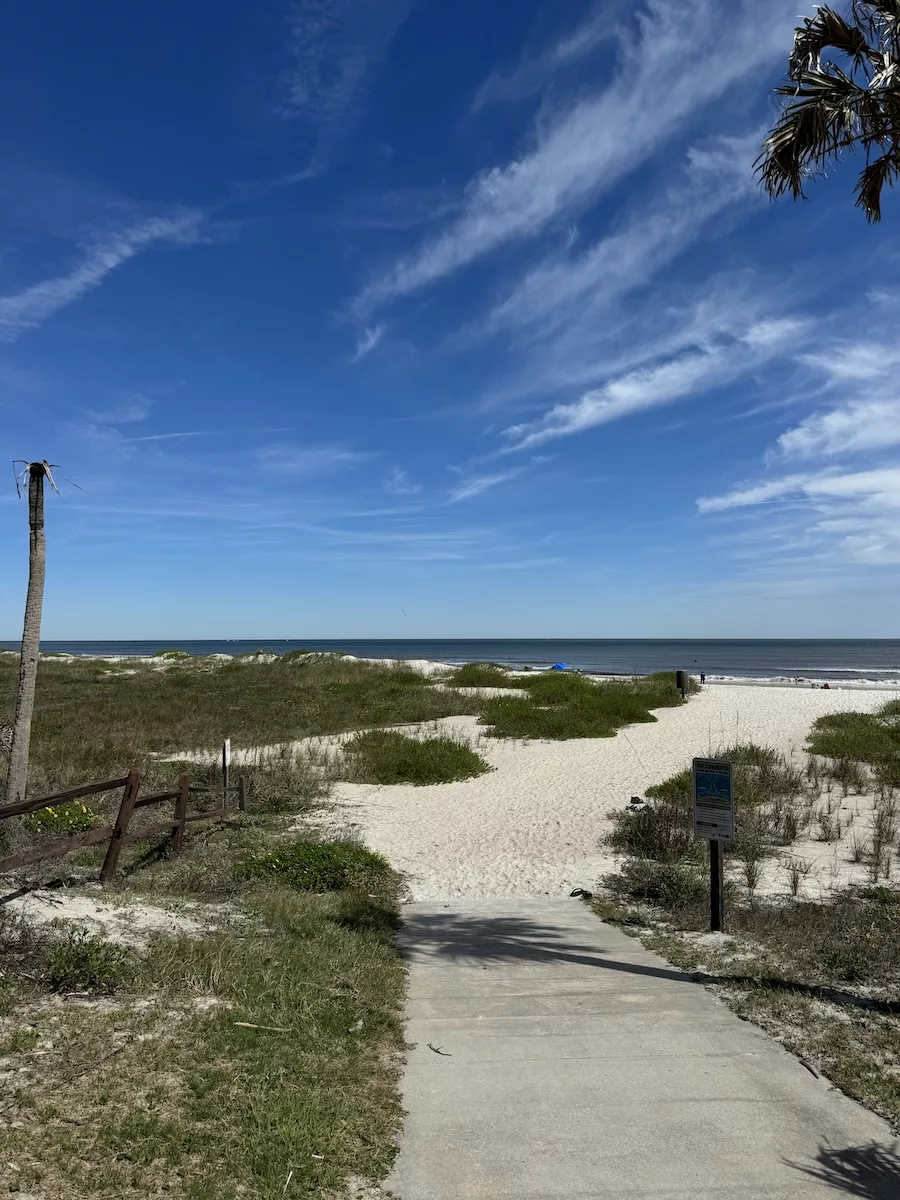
(826, 685)
(703, 677)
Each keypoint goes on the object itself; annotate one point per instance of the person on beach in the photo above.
(702, 677)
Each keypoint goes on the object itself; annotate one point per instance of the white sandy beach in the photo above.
(532, 826)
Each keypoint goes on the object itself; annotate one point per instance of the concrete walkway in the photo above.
(576, 1065)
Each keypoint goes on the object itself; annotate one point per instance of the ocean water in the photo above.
(849, 660)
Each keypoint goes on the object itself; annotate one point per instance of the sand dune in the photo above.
(532, 826)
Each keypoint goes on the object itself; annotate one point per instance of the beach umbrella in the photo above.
(559, 667)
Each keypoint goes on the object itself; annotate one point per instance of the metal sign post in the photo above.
(714, 821)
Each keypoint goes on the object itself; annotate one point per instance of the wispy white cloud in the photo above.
(171, 437)
(480, 483)
(863, 375)
(25, 310)
(307, 460)
(757, 493)
(682, 57)
(534, 70)
(652, 235)
(367, 342)
(688, 374)
(851, 514)
(858, 426)
(335, 47)
(398, 483)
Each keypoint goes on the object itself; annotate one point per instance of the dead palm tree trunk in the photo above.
(17, 773)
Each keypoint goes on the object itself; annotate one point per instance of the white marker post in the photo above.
(226, 764)
(714, 821)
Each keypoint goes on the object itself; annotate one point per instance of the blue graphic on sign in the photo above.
(713, 785)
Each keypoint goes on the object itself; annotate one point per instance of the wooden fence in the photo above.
(118, 835)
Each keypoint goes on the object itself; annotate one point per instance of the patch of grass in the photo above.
(477, 674)
(94, 722)
(855, 737)
(321, 867)
(386, 756)
(767, 791)
(255, 1059)
(63, 819)
(79, 961)
(174, 655)
(675, 886)
(564, 705)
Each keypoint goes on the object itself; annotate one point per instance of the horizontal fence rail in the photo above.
(118, 834)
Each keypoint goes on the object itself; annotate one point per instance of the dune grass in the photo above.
(94, 720)
(477, 674)
(321, 867)
(561, 705)
(855, 737)
(387, 756)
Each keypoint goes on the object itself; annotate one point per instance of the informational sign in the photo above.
(713, 800)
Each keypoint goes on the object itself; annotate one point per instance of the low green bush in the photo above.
(562, 704)
(518, 717)
(387, 756)
(321, 867)
(767, 791)
(63, 819)
(673, 886)
(79, 961)
(173, 654)
(477, 674)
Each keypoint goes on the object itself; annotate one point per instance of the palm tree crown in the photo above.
(847, 100)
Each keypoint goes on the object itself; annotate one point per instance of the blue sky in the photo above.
(418, 318)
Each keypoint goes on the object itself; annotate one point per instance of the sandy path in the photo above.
(531, 827)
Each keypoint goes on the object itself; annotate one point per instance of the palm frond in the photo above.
(872, 180)
(823, 117)
(828, 29)
(879, 21)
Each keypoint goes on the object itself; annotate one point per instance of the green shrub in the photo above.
(483, 675)
(386, 756)
(865, 737)
(79, 961)
(521, 718)
(672, 886)
(564, 704)
(558, 687)
(321, 867)
(766, 791)
(63, 819)
(172, 654)
(662, 830)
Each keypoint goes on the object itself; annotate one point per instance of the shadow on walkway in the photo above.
(495, 940)
(453, 937)
(869, 1172)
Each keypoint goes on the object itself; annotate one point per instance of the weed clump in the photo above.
(386, 756)
(63, 819)
(564, 705)
(321, 867)
(489, 674)
(79, 961)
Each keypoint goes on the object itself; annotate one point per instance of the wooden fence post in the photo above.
(184, 792)
(126, 808)
(242, 794)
